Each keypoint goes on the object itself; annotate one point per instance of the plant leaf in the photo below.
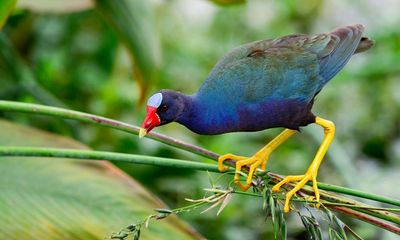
(211, 207)
(211, 180)
(340, 225)
(23, 74)
(283, 230)
(51, 6)
(331, 234)
(352, 232)
(282, 223)
(228, 2)
(271, 204)
(224, 203)
(6, 7)
(65, 199)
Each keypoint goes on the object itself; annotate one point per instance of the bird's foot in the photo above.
(311, 174)
(241, 161)
(302, 180)
(258, 159)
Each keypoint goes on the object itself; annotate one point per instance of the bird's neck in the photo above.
(189, 110)
(204, 116)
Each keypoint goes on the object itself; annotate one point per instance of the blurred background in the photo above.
(105, 59)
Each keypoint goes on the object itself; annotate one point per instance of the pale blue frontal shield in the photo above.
(155, 100)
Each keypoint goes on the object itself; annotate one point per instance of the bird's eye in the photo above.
(163, 108)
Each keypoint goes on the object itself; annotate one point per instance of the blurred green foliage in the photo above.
(57, 199)
(6, 8)
(82, 60)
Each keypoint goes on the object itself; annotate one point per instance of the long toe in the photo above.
(302, 180)
(229, 156)
(287, 179)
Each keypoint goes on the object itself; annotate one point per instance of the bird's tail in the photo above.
(344, 42)
(364, 45)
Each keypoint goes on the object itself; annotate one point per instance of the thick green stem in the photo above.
(110, 156)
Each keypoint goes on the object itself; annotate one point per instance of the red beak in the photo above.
(151, 121)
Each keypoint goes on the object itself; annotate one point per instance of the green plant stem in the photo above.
(358, 193)
(110, 156)
(110, 123)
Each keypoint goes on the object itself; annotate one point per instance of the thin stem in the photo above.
(110, 156)
(366, 218)
(346, 206)
(347, 191)
(309, 191)
(294, 199)
(358, 193)
(110, 123)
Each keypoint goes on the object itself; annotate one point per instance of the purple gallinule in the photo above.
(260, 85)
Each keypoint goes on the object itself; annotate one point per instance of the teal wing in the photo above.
(294, 66)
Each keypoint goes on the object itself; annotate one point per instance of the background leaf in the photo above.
(23, 74)
(51, 6)
(64, 199)
(6, 6)
(133, 20)
(228, 2)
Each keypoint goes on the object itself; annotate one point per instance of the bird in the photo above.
(261, 85)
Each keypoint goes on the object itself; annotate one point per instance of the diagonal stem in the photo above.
(366, 218)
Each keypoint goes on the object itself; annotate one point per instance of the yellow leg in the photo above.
(311, 174)
(260, 158)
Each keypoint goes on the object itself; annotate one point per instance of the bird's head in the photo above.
(163, 107)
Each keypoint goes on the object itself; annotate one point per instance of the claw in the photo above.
(260, 158)
(244, 188)
(223, 158)
(241, 161)
(303, 179)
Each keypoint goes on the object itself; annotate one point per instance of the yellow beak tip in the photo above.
(142, 132)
